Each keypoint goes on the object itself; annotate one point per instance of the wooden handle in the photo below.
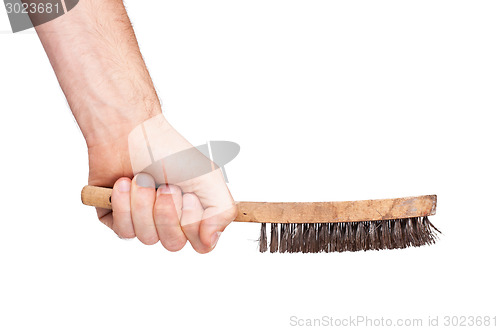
(97, 197)
(365, 210)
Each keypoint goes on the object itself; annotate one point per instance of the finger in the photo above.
(143, 195)
(192, 212)
(215, 220)
(219, 207)
(167, 212)
(120, 199)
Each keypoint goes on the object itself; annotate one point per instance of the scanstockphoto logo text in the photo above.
(353, 321)
(448, 321)
(25, 14)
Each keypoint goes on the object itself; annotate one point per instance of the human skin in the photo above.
(98, 64)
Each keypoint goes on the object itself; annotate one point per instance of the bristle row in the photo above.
(348, 236)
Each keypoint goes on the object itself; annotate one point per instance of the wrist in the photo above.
(105, 123)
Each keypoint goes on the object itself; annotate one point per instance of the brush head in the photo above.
(348, 236)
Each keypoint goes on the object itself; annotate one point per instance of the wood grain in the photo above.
(317, 212)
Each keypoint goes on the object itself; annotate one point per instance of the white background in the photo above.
(329, 100)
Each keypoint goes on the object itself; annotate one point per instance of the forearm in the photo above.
(98, 64)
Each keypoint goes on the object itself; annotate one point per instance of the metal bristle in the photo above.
(351, 236)
(332, 238)
(282, 245)
(263, 238)
(323, 237)
(288, 237)
(373, 240)
(361, 239)
(385, 240)
(273, 246)
(397, 235)
(299, 238)
(310, 238)
(315, 240)
(348, 236)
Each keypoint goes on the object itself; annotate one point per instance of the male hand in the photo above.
(99, 66)
(197, 209)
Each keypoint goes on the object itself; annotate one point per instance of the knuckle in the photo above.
(202, 249)
(149, 239)
(125, 234)
(174, 245)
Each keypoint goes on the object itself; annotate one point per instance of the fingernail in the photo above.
(165, 190)
(215, 238)
(145, 180)
(124, 186)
